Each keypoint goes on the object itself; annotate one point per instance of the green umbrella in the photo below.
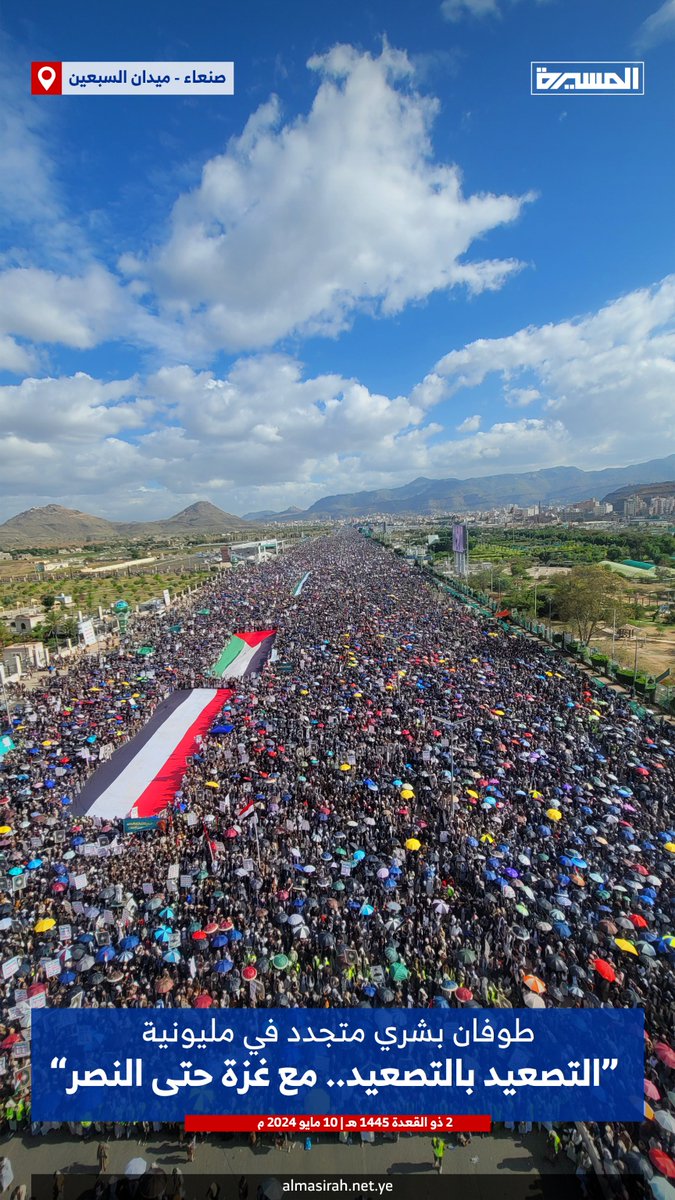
(340, 850)
(524, 912)
(202, 874)
(280, 961)
(467, 955)
(398, 972)
(338, 886)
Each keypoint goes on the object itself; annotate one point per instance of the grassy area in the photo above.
(89, 592)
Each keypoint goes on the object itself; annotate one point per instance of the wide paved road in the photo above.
(486, 1155)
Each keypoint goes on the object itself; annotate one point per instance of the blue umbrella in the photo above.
(86, 938)
(224, 966)
(167, 912)
(358, 855)
(15, 871)
(125, 956)
(544, 830)
(77, 841)
(222, 729)
(105, 954)
(472, 841)
(34, 864)
(221, 939)
(562, 929)
(366, 910)
(67, 977)
(235, 935)
(172, 956)
(130, 942)
(162, 934)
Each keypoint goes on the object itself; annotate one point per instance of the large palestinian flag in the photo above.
(301, 583)
(244, 654)
(144, 775)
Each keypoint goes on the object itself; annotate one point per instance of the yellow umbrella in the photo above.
(649, 1112)
(537, 795)
(554, 814)
(625, 945)
(474, 795)
(212, 783)
(412, 844)
(345, 767)
(486, 837)
(498, 712)
(47, 743)
(407, 793)
(304, 691)
(550, 674)
(5, 828)
(670, 846)
(45, 924)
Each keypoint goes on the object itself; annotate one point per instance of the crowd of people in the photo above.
(444, 813)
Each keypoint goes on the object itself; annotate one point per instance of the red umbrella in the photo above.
(665, 1052)
(651, 1092)
(203, 1001)
(638, 921)
(641, 771)
(605, 969)
(212, 927)
(463, 995)
(231, 832)
(199, 936)
(9, 1041)
(663, 1162)
(249, 973)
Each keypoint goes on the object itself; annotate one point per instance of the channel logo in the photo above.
(587, 78)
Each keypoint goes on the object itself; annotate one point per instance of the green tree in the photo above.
(48, 602)
(588, 597)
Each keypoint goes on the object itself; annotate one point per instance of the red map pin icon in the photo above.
(46, 79)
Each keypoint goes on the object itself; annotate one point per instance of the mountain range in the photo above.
(54, 525)
(551, 485)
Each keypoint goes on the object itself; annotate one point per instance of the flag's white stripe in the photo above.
(237, 668)
(120, 796)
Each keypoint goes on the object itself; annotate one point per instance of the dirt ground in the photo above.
(656, 649)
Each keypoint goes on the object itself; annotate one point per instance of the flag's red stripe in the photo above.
(254, 639)
(165, 784)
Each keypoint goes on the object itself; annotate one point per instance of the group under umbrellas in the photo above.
(382, 866)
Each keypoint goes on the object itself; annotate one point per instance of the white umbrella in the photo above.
(135, 1167)
(533, 1001)
(665, 1119)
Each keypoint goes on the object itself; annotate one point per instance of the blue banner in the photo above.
(512, 1064)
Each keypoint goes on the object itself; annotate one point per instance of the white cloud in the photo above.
(299, 225)
(266, 435)
(456, 10)
(470, 425)
(658, 27)
(521, 397)
(598, 372)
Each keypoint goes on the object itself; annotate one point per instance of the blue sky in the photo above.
(380, 258)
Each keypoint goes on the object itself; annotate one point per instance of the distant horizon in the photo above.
(242, 516)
